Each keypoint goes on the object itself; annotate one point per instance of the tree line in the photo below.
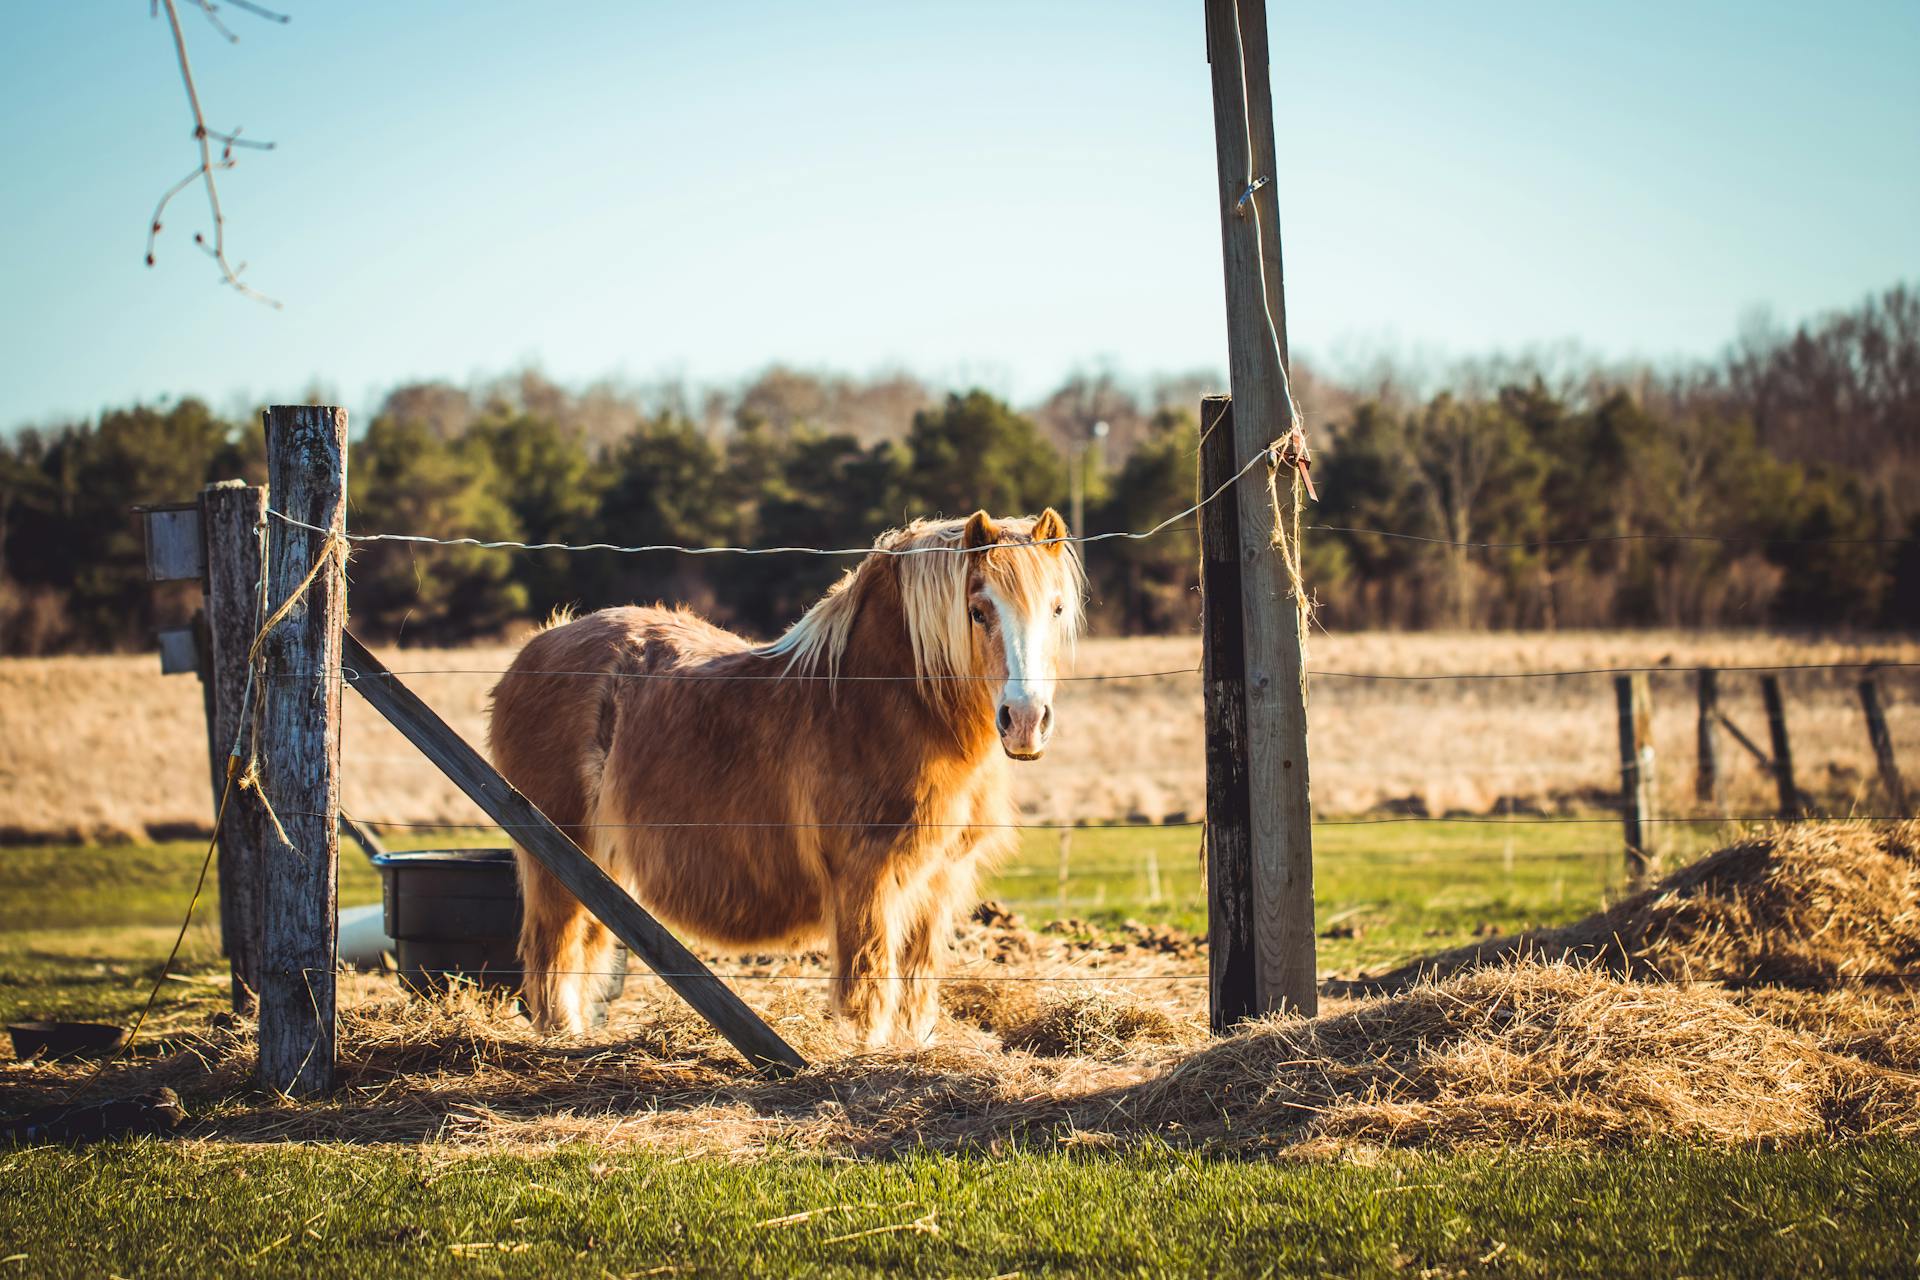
(1778, 485)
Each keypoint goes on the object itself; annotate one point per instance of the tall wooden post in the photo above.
(1231, 960)
(1635, 699)
(1706, 777)
(233, 516)
(1788, 790)
(1895, 786)
(299, 748)
(1273, 621)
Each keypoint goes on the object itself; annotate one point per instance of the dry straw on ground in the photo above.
(1806, 1030)
(1814, 906)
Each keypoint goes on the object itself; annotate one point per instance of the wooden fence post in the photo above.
(1634, 695)
(1231, 959)
(1273, 618)
(1882, 741)
(1782, 748)
(232, 514)
(299, 747)
(1706, 777)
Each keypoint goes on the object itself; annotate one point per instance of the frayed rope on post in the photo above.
(1286, 526)
(334, 549)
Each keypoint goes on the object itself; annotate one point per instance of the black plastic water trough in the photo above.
(454, 916)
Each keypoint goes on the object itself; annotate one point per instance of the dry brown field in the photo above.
(105, 747)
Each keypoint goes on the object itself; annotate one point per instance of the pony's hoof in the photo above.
(867, 1039)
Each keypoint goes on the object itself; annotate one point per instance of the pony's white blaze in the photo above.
(1032, 646)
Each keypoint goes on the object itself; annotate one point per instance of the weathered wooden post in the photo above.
(1783, 781)
(1895, 786)
(299, 747)
(1706, 777)
(1273, 618)
(1634, 695)
(233, 516)
(1231, 959)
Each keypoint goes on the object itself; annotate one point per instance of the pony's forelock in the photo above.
(933, 595)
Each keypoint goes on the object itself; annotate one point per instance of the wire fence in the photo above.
(1272, 458)
(1268, 456)
(350, 676)
(1282, 453)
(1382, 820)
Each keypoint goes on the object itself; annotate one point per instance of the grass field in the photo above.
(149, 1210)
(82, 931)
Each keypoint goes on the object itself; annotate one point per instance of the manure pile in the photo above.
(1769, 992)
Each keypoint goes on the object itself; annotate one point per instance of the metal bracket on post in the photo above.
(175, 549)
(179, 650)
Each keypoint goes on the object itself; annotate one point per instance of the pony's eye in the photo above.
(979, 616)
(1059, 609)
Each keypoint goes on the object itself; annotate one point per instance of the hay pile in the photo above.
(1819, 907)
(1765, 994)
(1534, 1051)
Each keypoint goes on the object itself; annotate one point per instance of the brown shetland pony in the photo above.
(843, 782)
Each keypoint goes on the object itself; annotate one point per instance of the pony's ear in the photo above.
(981, 531)
(1050, 528)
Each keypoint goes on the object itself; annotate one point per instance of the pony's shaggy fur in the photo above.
(843, 782)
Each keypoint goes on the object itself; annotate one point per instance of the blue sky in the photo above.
(980, 192)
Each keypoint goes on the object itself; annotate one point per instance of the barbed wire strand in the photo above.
(476, 977)
(1539, 543)
(1371, 821)
(350, 676)
(507, 544)
(1164, 526)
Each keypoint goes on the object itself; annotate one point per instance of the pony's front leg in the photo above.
(922, 949)
(865, 989)
(561, 947)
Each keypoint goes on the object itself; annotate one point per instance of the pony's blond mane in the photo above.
(933, 588)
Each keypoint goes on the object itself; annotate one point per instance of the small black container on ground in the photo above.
(57, 1041)
(454, 915)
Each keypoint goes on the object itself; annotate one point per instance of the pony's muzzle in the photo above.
(1025, 728)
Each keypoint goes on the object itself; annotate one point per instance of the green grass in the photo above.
(82, 931)
(83, 928)
(1387, 891)
(149, 1209)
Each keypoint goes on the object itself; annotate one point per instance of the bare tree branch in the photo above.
(213, 20)
(212, 12)
(205, 138)
(260, 11)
